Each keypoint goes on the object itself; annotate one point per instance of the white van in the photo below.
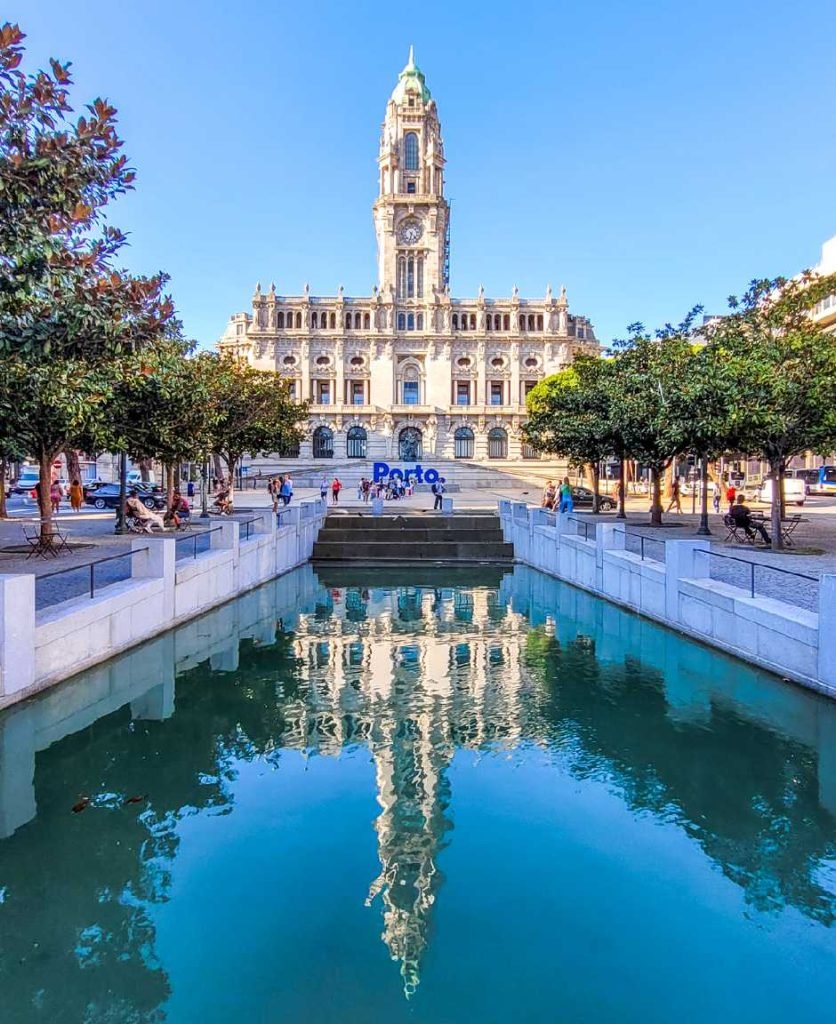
(794, 491)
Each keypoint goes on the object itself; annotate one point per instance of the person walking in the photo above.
(76, 496)
(549, 495)
(438, 492)
(731, 494)
(288, 481)
(285, 491)
(566, 502)
(323, 489)
(366, 488)
(336, 487)
(675, 496)
(56, 493)
(716, 495)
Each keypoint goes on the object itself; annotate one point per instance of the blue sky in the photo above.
(648, 155)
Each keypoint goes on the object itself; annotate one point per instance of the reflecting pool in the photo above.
(433, 798)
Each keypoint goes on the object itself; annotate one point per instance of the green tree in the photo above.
(165, 411)
(570, 414)
(254, 413)
(66, 311)
(648, 398)
(778, 368)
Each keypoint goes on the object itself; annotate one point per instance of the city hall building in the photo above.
(410, 372)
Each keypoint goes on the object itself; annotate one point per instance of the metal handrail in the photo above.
(641, 539)
(756, 565)
(582, 522)
(194, 536)
(91, 566)
(248, 523)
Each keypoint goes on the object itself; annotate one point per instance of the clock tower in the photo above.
(411, 215)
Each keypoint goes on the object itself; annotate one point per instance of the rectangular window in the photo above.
(410, 392)
(291, 389)
(323, 395)
(357, 393)
(496, 392)
(410, 187)
(462, 393)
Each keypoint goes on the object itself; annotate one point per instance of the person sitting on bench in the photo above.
(144, 516)
(742, 517)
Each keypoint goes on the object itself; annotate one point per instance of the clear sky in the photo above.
(648, 155)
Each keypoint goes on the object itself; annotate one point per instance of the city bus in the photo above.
(826, 483)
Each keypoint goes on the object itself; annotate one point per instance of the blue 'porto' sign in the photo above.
(382, 470)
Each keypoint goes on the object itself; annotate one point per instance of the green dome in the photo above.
(411, 79)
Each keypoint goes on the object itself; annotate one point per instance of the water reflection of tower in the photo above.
(413, 673)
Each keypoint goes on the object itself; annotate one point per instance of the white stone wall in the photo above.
(678, 592)
(40, 648)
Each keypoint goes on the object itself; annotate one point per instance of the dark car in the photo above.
(107, 496)
(582, 498)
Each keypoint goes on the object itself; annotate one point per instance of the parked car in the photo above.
(582, 498)
(107, 496)
(794, 491)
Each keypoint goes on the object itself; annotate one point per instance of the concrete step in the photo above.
(410, 534)
(396, 523)
(440, 551)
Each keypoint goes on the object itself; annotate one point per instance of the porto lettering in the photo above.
(382, 471)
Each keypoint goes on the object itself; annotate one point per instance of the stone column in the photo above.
(17, 633)
(683, 562)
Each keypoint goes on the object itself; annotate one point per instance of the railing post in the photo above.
(827, 631)
(17, 633)
(157, 560)
(683, 563)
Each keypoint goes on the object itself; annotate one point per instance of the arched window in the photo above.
(410, 444)
(463, 321)
(356, 443)
(497, 443)
(506, 323)
(280, 321)
(420, 321)
(420, 277)
(401, 277)
(531, 322)
(410, 277)
(539, 321)
(298, 321)
(333, 321)
(401, 321)
(488, 322)
(473, 321)
(527, 451)
(410, 151)
(410, 321)
(347, 321)
(367, 322)
(323, 443)
(289, 451)
(463, 441)
(455, 321)
(314, 321)
(522, 323)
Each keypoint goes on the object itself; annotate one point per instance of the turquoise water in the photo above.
(395, 799)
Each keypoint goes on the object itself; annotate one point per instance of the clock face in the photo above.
(410, 232)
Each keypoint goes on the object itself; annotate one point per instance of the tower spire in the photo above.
(411, 62)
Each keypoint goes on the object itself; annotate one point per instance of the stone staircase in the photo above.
(466, 539)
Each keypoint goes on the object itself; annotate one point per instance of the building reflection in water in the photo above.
(743, 764)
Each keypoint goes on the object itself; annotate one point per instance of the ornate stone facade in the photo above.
(410, 372)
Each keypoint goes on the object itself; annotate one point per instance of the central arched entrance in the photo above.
(410, 444)
(323, 443)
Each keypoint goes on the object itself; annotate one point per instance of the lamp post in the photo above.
(204, 488)
(123, 486)
(703, 530)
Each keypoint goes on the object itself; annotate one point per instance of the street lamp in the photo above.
(123, 486)
(703, 530)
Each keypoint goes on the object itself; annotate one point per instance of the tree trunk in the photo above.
(44, 483)
(231, 463)
(776, 472)
(656, 500)
(219, 470)
(169, 484)
(73, 464)
(145, 469)
(622, 484)
(596, 486)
